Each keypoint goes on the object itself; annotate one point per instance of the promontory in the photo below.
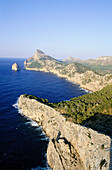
(71, 146)
(74, 72)
(80, 130)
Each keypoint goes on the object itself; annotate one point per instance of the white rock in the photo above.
(16, 67)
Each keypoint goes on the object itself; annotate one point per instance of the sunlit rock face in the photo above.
(16, 67)
(71, 146)
(74, 72)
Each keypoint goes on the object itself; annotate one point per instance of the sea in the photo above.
(23, 144)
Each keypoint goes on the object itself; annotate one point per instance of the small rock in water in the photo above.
(16, 67)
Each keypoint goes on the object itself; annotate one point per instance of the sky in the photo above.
(60, 28)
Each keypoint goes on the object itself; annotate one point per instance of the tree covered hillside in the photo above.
(93, 110)
(83, 107)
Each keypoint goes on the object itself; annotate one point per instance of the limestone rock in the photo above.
(16, 67)
(71, 146)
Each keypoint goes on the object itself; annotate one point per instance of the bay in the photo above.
(23, 144)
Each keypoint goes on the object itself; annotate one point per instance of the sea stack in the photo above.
(16, 67)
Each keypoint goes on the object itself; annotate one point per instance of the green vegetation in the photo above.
(93, 110)
(103, 163)
(35, 65)
(30, 60)
(82, 108)
(66, 69)
(81, 68)
(100, 69)
(50, 58)
(62, 67)
(89, 136)
(109, 77)
(102, 146)
(41, 100)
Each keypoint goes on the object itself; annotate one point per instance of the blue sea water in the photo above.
(23, 144)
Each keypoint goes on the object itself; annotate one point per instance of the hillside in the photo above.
(71, 145)
(105, 60)
(101, 65)
(74, 72)
(93, 110)
(41, 61)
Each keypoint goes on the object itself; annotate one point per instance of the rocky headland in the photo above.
(71, 146)
(16, 67)
(74, 72)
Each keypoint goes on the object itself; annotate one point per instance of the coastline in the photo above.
(61, 76)
(33, 123)
(86, 90)
(85, 143)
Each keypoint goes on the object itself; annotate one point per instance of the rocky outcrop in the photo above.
(71, 146)
(16, 67)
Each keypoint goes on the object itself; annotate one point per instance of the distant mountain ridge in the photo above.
(75, 72)
(104, 60)
(101, 65)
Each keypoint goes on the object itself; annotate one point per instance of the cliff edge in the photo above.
(71, 146)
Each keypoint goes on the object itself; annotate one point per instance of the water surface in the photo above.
(23, 144)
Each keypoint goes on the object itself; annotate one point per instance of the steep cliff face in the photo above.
(74, 72)
(71, 146)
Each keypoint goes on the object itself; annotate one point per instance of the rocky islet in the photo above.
(16, 67)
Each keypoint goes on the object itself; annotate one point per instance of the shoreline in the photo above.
(87, 90)
(33, 123)
(60, 76)
(86, 144)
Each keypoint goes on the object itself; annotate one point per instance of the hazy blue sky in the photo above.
(60, 28)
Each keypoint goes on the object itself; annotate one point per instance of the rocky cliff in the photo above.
(74, 72)
(16, 67)
(71, 146)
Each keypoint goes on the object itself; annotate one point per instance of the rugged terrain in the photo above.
(74, 72)
(102, 65)
(105, 60)
(71, 146)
